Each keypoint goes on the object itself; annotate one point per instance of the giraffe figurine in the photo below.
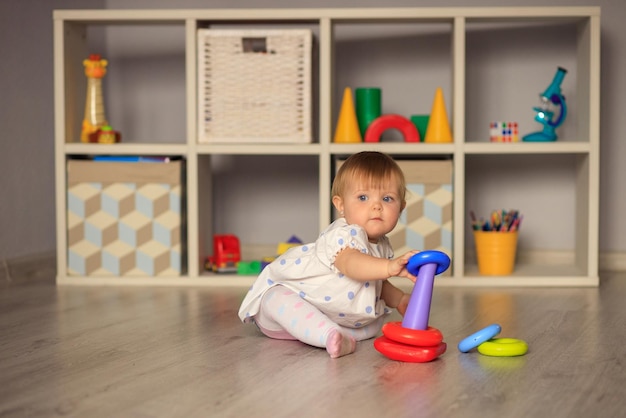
(95, 119)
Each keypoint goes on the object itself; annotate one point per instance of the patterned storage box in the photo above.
(254, 86)
(124, 218)
(426, 223)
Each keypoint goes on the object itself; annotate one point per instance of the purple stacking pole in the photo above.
(418, 311)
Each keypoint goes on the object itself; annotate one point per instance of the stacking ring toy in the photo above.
(413, 340)
(479, 337)
(408, 353)
(425, 265)
(418, 337)
(503, 347)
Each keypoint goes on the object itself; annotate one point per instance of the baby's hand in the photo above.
(397, 266)
(404, 304)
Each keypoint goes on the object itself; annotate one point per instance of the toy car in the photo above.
(226, 254)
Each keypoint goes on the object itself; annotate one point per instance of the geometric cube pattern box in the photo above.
(426, 222)
(124, 219)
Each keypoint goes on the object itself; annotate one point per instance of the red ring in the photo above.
(408, 353)
(429, 337)
(384, 122)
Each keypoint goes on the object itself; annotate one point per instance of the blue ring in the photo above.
(479, 337)
(428, 257)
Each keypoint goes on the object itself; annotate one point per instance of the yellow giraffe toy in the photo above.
(95, 70)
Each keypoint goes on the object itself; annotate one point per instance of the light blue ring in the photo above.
(479, 337)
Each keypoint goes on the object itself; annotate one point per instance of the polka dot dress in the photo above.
(309, 271)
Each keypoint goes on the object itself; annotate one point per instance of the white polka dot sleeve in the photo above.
(333, 241)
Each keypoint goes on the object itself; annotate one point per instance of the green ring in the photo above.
(503, 347)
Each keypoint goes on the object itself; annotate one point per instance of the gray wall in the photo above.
(27, 212)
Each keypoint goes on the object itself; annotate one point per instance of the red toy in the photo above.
(392, 121)
(408, 353)
(412, 340)
(423, 338)
(226, 254)
(105, 135)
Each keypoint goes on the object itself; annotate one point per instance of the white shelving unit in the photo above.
(468, 36)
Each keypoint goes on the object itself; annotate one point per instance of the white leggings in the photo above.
(285, 315)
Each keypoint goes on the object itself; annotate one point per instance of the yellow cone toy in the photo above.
(438, 127)
(347, 125)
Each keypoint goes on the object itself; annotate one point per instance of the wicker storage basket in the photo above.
(254, 86)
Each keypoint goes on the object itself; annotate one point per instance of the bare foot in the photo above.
(339, 345)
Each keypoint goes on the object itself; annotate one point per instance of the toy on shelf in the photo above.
(265, 261)
(365, 123)
(503, 132)
(368, 106)
(95, 126)
(551, 96)
(392, 121)
(293, 241)
(347, 130)
(421, 123)
(226, 254)
(413, 340)
(105, 135)
(249, 268)
(254, 267)
(438, 129)
(282, 247)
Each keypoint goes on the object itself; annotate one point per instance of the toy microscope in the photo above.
(551, 96)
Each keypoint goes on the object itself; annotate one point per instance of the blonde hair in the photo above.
(371, 168)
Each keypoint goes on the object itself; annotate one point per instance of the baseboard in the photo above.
(612, 261)
(29, 268)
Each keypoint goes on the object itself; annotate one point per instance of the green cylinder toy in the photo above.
(368, 106)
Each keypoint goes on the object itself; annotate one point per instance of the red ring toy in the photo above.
(384, 122)
(417, 337)
(408, 353)
(411, 341)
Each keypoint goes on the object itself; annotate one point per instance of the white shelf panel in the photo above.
(534, 270)
(345, 14)
(395, 148)
(247, 281)
(156, 281)
(125, 149)
(258, 149)
(557, 147)
(521, 281)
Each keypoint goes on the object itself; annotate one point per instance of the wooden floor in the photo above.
(182, 352)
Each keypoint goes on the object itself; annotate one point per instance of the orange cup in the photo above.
(495, 252)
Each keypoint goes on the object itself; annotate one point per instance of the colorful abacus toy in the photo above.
(503, 132)
(412, 340)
